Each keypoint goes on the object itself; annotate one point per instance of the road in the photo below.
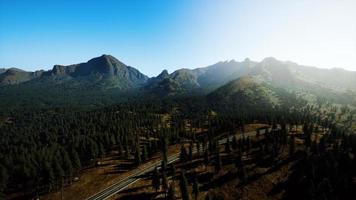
(126, 182)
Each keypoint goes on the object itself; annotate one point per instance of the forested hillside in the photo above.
(41, 148)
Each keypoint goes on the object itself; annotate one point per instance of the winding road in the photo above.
(126, 182)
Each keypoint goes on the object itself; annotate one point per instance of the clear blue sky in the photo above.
(152, 35)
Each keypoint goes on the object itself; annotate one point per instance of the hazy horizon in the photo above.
(171, 71)
(156, 35)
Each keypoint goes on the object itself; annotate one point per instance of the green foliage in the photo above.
(42, 146)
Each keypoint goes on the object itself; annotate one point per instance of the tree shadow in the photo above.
(140, 196)
(272, 169)
(124, 166)
(229, 176)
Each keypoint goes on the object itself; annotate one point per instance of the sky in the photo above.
(152, 35)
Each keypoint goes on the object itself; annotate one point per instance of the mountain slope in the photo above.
(15, 76)
(2, 70)
(180, 82)
(293, 76)
(104, 71)
(244, 93)
(336, 85)
(222, 72)
(107, 78)
(200, 80)
(100, 81)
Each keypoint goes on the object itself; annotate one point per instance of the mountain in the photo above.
(100, 81)
(104, 71)
(2, 70)
(293, 76)
(15, 76)
(180, 82)
(103, 68)
(200, 80)
(108, 72)
(157, 82)
(105, 80)
(163, 75)
(334, 84)
(221, 73)
(244, 93)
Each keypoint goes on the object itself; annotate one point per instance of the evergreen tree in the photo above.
(3, 178)
(234, 143)
(195, 187)
(138, 155)
(184, 186)
(248, 144)
(314, 147)
(191, 152)
(156, 180)
(165, 149)
(58, 170)
(291, 145)
(127, 153)
(218, 164)
(75, 159)
(164, 182)
(227, 145)
(163, 165)
(171, 192)
(243, 174)
(67, 165)
(206, 157)
(144, 153)
(101, 150)
(238, 161)
(183, 155)
(49, 176)
(120, 149)
(173, 171)
(198, 147)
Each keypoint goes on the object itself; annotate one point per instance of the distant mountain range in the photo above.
(284, 74)
(107, 75)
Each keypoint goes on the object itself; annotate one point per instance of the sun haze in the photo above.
(152, 35)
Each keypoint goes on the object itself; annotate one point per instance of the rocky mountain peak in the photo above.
(163, 74)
